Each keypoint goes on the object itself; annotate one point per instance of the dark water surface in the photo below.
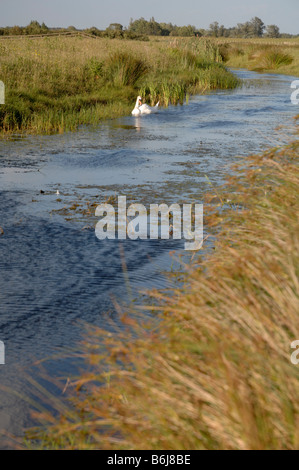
(54, 272)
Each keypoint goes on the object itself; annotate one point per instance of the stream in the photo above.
(54, 272)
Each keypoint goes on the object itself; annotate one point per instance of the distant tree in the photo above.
(222, 31)
(214, 29)
(141, 26)
(201, 32)
(154, 28)
(183, 31)
(94, 31)
(250, 29)
(287, 35)
(35, 28)
(71, 28)
(167, 28)
(272, 31)
(115, 27)
(244, 30)
(258, 26)
(16, 31)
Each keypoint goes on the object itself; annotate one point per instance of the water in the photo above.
(54, 273)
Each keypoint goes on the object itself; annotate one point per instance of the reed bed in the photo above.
(210, 367)
(274, 59)
(56, 84)
(261, 55)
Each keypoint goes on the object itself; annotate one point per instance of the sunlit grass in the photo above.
(57, 84)
(262, 55)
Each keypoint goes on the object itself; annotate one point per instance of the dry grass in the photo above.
(264, 55)
(211, 368)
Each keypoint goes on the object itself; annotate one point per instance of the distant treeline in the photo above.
(35, 28)
(141, 29)
(253, 28)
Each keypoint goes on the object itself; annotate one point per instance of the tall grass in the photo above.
(211, 369)
(124, 69)
(57, 84)
(260, 55)
(274, 59)
(174, 90)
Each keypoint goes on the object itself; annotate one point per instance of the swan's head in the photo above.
(139, 101)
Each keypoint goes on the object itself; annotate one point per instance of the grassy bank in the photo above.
(261, 55)
(257, 54)
(211, 369)
(57, 84)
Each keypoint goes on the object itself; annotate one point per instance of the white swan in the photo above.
(143, 108)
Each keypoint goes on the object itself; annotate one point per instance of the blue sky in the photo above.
(99, 13)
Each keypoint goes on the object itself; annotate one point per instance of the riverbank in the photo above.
(213, 370)
(266, 55)
(261, 55)
(57, 84)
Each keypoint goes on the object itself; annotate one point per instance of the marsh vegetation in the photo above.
(57, 84)
(261, 55)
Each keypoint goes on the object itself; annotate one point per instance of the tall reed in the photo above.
(56, 84)
(124, 69)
